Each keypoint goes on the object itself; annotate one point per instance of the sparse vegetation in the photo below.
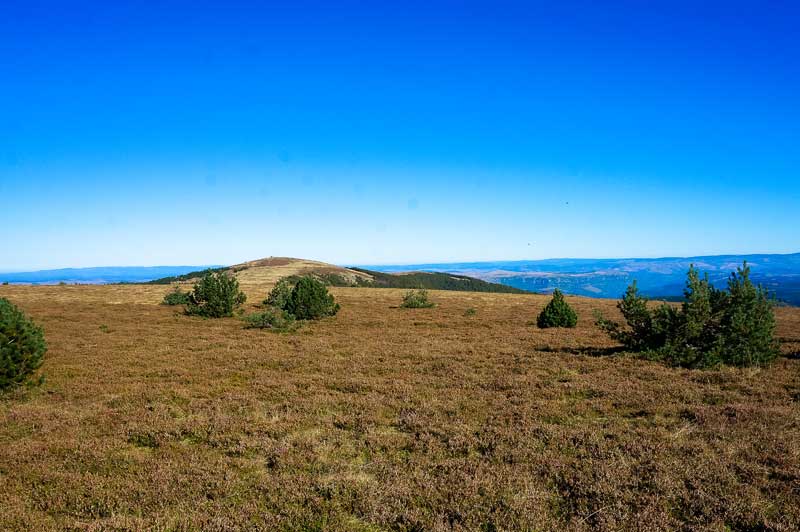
(215, 295)
(173, 423)
(711, 327)
(22, 346)
(417, 299)
(557, 313)
(271, 318)
(310, 300)
(176, 297)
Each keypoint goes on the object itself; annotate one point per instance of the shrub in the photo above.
(734, 327)
(280, 294)
(641, 334)
(417, 299)
(557, 313)
(176, 297)
(22, 345)
(216, 295)
(271, 318)
(310, 300)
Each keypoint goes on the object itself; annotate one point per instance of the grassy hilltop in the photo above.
(460, 417)
(274, 268)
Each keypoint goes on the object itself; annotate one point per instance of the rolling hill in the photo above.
(271, 269)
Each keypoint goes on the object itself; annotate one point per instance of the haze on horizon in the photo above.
(193, 133)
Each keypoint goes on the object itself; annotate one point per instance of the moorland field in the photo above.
(384, 418)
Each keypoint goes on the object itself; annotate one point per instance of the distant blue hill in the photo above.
(657, 278)
(102, 275)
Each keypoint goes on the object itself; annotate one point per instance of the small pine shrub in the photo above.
(747, 323)
(22, 345)
(557, 313)
(470, 312)
(734, 327)
(640, 335)
(310, 300)
(176, 297)
(417, 299)
(271, 318)
(216, 295)
(280, 294)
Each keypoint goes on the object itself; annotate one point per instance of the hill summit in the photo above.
(272, 269)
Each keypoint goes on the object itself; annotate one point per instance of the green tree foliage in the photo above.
(747, 323)
(176, 297)
(734, 327)
(22, 345)
(557, 313)
(186, 276)
(270, 318)
(639, 334)
(215, 295)
(281, 293)
(433, 281)
(417, 299)
(310, 300)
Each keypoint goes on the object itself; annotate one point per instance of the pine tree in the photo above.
(748, 323)
(310, 300)
(22, 345)
(215, 295)
(557, 313)
(734, 327)
(280, 294)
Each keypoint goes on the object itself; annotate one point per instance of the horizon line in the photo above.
(437, 263)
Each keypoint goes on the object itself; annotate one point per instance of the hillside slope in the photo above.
(270, 270)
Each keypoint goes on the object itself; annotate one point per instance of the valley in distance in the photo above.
(658, 278)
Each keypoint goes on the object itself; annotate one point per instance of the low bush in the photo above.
(215, 295)
(417, 299)
(176, 297)
(310, 300)
(271, 318)
(22, 346)
(557, 313)
(711, 327)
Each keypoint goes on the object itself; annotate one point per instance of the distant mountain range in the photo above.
(662, 278)
(101, 275)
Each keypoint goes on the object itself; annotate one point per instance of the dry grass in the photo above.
(269, 271)
(385, 418)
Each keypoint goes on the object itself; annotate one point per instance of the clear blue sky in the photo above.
(141, 133)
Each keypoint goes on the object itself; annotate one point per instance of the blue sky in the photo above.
(142, 133)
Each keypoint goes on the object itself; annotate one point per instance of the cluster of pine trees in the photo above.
(711, 327)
